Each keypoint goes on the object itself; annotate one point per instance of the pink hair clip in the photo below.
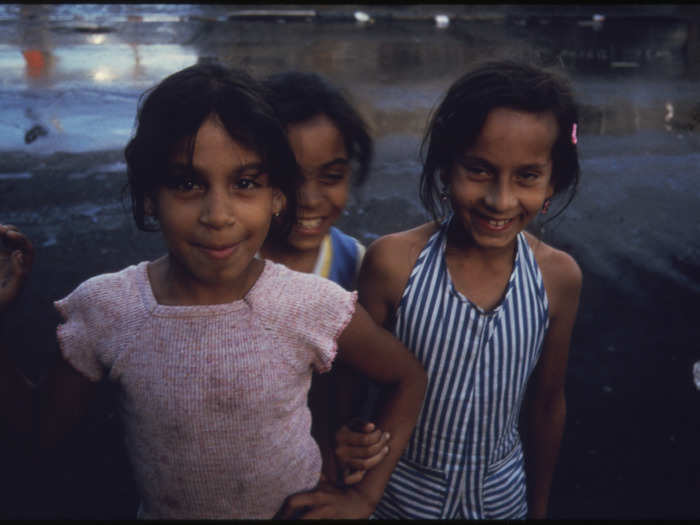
(574, 137)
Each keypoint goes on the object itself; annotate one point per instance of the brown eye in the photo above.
(528, 177)
(332, 178)
(476, 172)
(181, 183)
(244, 184)
(186, 185)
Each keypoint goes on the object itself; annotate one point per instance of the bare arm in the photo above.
(544, 409)
(361, 445)
(65, 395)
(373, 351)
(386, 361)
(385, 271)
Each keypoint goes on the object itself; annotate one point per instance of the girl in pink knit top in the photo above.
(211, 348)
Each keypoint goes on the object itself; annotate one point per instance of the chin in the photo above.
(306, 244)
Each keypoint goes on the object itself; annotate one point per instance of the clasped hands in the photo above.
(360, 446)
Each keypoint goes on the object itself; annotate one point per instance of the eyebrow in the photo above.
(340, 161)
(476, 160)
(257, 166)
(479, 160)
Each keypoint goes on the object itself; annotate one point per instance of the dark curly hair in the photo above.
(458, 120)
(299, 96)
(175, 109)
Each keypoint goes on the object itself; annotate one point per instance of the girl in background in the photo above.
(334, 151)
(212, 349)
(485, 306)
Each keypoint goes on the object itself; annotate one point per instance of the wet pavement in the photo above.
(70, 78)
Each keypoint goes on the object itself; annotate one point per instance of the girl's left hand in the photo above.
(327, 501)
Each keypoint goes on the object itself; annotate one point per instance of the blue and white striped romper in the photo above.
(464, 458)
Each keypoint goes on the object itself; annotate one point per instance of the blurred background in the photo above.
(70, 79)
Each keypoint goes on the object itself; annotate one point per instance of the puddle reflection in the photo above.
(628, 71)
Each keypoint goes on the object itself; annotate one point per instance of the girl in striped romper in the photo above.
(484, 305)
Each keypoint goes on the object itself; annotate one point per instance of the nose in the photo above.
(217, 210)
(309, 194)
(500, 195)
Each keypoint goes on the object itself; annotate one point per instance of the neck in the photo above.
(173, 285)
(460, 242)
(298, 260)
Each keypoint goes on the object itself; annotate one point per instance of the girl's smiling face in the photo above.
(320, 152)
(215, 214)
(499, 183)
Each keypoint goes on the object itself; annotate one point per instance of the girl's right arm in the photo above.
(65, 395)
(385, 271)
(373, 351)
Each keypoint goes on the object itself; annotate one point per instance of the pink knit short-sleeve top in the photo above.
(213, 398)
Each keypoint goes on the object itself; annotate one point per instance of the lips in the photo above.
(218, 251)
(493, 224)
(309, 225)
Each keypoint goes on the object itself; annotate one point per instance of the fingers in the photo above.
(16, 258)
(359, 425)
(355, 460)
(356, 463)
(369, 451)
(351, 477)
(346, 448)
(346, 437)
(300, 504)
(324, 511)
(6, 231)
(11, 278)
(14, 240)
(330, 502)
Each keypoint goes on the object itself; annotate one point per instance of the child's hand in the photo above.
(16, 258)
(359, 447)
(327, 501)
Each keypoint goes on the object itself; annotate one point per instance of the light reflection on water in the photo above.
(61, 65)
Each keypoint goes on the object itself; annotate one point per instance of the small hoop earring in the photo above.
(276, 214)
(545, 206)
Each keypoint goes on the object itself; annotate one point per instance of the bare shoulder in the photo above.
(386, 268)
(395, 251)
(561, 273)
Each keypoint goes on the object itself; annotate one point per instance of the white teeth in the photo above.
(499, 224)
(309, 223)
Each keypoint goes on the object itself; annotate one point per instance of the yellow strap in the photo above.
(327, 254)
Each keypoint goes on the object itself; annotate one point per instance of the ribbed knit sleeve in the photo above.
(330, 310)
(95, 315)
(313, 311)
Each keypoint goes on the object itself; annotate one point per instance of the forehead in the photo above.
(316, 141)
(214, 147)
(515, 133)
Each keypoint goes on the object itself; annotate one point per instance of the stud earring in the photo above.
(545, 206)
(444, 194)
